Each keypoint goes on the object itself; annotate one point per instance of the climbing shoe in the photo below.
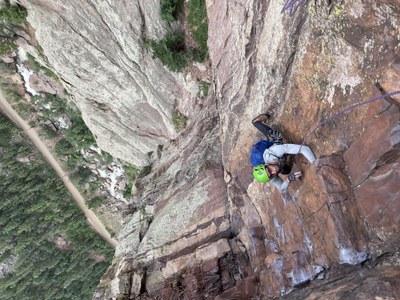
(262, 118)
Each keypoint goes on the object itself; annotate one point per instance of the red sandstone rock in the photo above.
(244, 239)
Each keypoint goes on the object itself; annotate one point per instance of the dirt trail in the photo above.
(34, 137)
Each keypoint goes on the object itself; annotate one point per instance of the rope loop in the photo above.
(345, 110)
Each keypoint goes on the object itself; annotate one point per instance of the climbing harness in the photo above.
(385, 96)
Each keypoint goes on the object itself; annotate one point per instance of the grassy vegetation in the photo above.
(169, 9)
(76, 133)
(6, 46)
(179, 120)
(96, 202)
(171, 50)
(36, 210)
(38, 68)
(132, 173)
(198, 24)
(204, 88)
(12, 14)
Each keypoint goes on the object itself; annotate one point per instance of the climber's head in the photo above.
(264, 173)
(261, 174)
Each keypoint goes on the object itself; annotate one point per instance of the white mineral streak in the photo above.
(279, 230)
(22, 56)
(26, 74)
(343, 74)
(95, 149)
(299, 276)
(308, 243)
(351, 256)
(113, 175)
(63, 122)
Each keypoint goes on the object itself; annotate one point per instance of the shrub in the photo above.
(169, 9)
(5, 136)
(6, 46)
(49, 132)
(82, 174)
(10, 16)
(37, 67)
(179, 120)
(170, 51)
(198, 55)
(128, 190)
(13, 14)
(74, 159)
(204, 87)
(63, 147)
(146, 170)
(96, 202)
(24, 109)
(78, 133)
(131, 171)
(197, 19)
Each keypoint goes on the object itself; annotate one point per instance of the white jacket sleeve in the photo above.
(294, 149)
(279, 183)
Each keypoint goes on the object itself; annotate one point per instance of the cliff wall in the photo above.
(202, 227)
(97, 48)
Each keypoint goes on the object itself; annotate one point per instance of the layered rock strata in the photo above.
(303, 69)
(203, 228)
(98, 49)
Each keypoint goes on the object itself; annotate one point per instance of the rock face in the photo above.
(202, 227)
(374, 170)
(97, 48)
(381, 280)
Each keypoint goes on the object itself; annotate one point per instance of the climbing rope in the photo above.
(292, 5)
(345, 110)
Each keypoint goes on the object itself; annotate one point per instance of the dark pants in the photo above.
(275, 137)
(271, 134)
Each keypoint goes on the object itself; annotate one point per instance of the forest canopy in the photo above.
(36, 213)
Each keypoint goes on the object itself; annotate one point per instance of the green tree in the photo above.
(82, 174)
(64, 147)
(5, 136)
(171, 51)
(35, 211)
(96, 202)
(169, 9)
(13, 14)
(198, 23)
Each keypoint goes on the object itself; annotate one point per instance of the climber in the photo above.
(271, 165)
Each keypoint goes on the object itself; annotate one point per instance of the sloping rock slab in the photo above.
(374, 168)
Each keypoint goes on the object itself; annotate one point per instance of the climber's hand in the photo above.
(294, 176)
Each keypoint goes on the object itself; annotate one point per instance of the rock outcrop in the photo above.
(379, 281)
(202, 228)
(97, 48)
